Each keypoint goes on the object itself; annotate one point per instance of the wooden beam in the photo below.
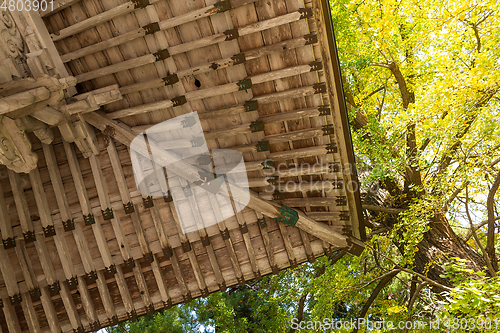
(188, 171)
(21, 100)
(30, 314)
(93, 21)
(141, 32)
(21, 207)
(9, 277)
(50, 312)
(11, 317)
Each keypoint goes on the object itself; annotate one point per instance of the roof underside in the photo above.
(83, 248)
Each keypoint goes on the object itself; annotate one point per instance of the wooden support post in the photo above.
(261, 220)
(8, 275)
(106, 300)
(129, 207)
(30, 314)
(88, 306)
(50, 312)
(160, 281)
(69, 306)
(21, 207)
(11, 317)
(49, 228)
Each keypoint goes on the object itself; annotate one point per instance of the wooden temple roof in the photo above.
(82, 246)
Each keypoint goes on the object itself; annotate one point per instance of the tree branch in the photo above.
(300, 311)
(476, 227)
(478, 242)
(387, 278)
(383, 209)
(413, 299)
(490, 205)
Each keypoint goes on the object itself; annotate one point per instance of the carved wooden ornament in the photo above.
(15, 148)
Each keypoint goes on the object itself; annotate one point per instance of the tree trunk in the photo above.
(440, 244)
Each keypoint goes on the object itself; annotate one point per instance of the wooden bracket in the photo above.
(324, 110)
(225, 234)
(328, 129)
(129, 263)
(151, 28)
(107, 214)
(311, 39)
(171, 79)
(161, 55)
(29, 236)
(140, 3)
(49, 231)
(319, 88)
(263, 146)
(95, 326)
(188, 122)
(243, 228)
(69, 225)
(9, 242)
(222, 6)
(251, 105)
(113, 321)
(88, 219)
(239, 59)
(15, 299)
(355, 246)
(305, 12)
(287, 216)
(129, 208)
(334, 167)
(316, 65)
(132, 315)
(205, 240)
(178, 101)
(268, 164)
(197, 142)
(167, 252)
(344, 215)
(244, 84)
(72, 282)
(186, 246)
(278, 196)
(55, 287)
(273, 180)
(331, 148)
(168, 197)
(257, 126)
(91, 277)
(262, 222)
(148, 202)
(150, 309)
(35, 294)
(111, 270)
(341, 200)
(231, 34)
(149, 257)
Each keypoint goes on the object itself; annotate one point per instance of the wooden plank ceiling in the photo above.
(82, 248)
